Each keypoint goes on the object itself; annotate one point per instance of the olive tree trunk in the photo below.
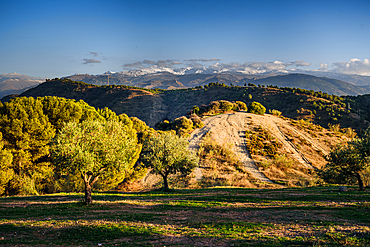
(360, 182)
(88, 186)
(165, 183)
(88, 199)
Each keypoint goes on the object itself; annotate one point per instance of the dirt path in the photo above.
(271, 123)
(228, 128)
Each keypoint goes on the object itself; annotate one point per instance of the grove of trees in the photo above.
(50, 144)
(27, 127)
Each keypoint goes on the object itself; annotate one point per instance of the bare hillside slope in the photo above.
(300, 149)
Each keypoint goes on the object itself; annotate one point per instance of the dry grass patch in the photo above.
(221, 166)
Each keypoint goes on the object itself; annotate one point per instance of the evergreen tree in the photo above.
(6, 172)
(27, 132)
(60, 110)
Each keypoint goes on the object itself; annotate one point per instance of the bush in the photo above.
(165, 125)
(225, 106)
(240, 106)
(275, 112)
(197, 122)
(182, 124)
(256, 108)
(213, 107)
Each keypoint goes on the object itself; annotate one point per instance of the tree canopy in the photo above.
(256, 108)
(27, 125)
(346, 163)
(167, 153)
(93, 150)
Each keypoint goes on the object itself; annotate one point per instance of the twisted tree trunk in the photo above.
(88, 186)
(360, 182)
(88, 199)
(165, 183)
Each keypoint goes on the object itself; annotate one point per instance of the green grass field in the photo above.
(317, 216)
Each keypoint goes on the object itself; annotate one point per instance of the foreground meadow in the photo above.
(317, 216)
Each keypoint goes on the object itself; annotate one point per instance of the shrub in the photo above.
(165, 125)
(256, 108)
(275, 112)
(213, 107)
(196, 110)
(240, 106)
(197, 122)
(182, 123)
(225, 106)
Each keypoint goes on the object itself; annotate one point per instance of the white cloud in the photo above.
(90, 60)
(255, 65)
(276, 65)
(353, 66)
(148, 63)
(198, 63)
(202, 60)
(202, 65)
(323, 66)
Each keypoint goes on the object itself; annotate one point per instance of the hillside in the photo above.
(331, 86)
(273, 150)
(160, 80)
(152, 106)
(361, 104)
(134, 102)
(14, 83)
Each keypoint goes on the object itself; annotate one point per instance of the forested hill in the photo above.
(152, 106)
(310, 82)
(121, 99)
(172, 81)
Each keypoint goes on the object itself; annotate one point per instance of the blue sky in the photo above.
(60, 38)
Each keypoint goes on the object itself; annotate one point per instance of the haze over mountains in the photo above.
(167, 78)
(14, 83)
(171, 78)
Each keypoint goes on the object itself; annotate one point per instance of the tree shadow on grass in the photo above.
(74, 235)
(124, 235)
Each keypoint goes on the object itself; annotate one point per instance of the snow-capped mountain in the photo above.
(14, 83)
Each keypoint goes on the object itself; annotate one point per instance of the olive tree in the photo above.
(94, 150)
(167, 153)
(346, 163)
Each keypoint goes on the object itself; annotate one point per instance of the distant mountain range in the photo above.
(153, 106)
(166, 78)
(309, 82)
(14, 83)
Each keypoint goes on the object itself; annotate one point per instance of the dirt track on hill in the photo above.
(230, 128)
(271, 123)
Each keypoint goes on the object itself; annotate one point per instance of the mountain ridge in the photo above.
(153, 106)
(160, 80)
